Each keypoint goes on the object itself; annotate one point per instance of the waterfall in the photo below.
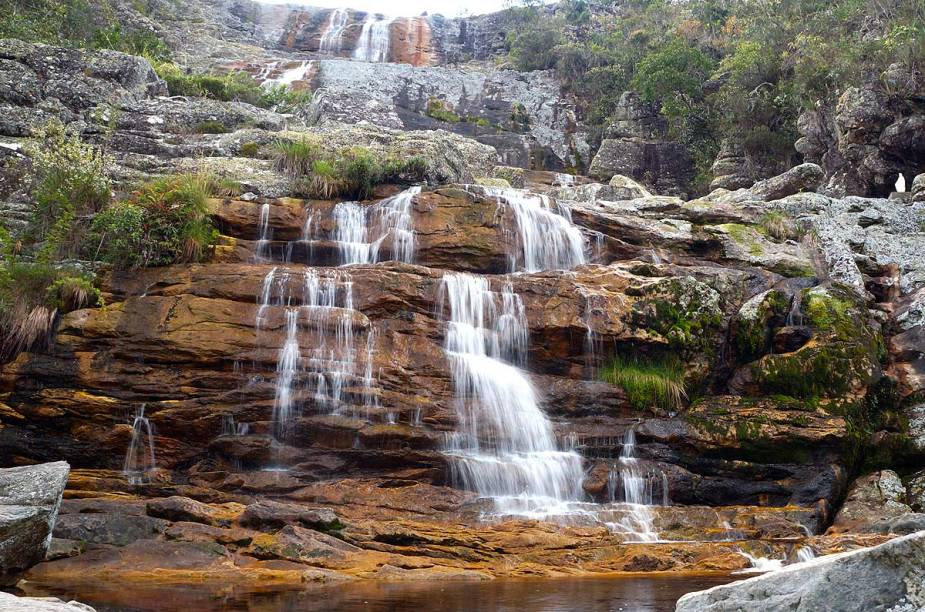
(139, 460)
(288, 76)
(504, 447)
(230, 428)
(759, 565)
(322, 373)
(262, 251)
(546, 238)
(804, 554)
(359, 243)
(373, 44)
(332, 37)
(629, 483)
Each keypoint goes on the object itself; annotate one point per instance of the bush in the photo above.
(359, 172)
(437, 109)
(165, 221)
(296, 157)
(250, 149)
(655, 383)
(71, 185)
(210, 127)
(284, 99)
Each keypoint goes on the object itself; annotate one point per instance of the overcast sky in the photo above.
(409, 8)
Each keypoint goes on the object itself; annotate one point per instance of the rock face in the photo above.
(523, 115)
(636, 145)
(871, 136)
(11, 603)
(29, 501)
(885, 577)
(876, 497)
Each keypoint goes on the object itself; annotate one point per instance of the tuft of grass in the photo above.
(778, 225)
(296, 157)
(649, 383)
(250, 149)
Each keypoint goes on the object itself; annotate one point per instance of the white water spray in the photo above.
(139, 460)
(373, 44)
(332, 38)
(504, 447)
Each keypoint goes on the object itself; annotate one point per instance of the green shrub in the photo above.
(233, 86)
(250, 149)
(210, 127)
(437, 109)
(284, 99)
(359, 172)
(649, 383)
(71, 183)
(166, 221)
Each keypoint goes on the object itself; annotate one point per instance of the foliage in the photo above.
(437, 109)
(649, 383)
(352, 172)
(165, 221)
(742, 70)
(210, 127)
(71, 184)
(284, 99)
(237, 86)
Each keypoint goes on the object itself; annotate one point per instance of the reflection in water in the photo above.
(634, 594)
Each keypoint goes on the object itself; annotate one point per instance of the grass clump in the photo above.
(649, 383)
(778, 225)
(210, 127)
(236, 86)
(165, 221)
(251, 149)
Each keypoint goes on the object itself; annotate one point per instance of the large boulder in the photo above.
(29, 501)
(888, 576)
(12, 603)
(872, 501)
(805, 177)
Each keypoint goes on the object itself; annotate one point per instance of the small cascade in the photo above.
(373, 44)
(360, 231)
(794, 315)
(287, 77)
(230, 428)
(804, 554)
(332, 38)
(504, 447)
(593, 342)
(759, 565)
(546, 238)
(139, 460)
(322, 374)
(631, 484)
(262, 250)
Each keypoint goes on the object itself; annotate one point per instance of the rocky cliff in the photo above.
(349, 389)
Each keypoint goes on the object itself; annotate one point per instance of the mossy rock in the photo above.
(683, 311)
(493, 182)
(753, 324)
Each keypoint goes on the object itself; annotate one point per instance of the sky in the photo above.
(408, 8)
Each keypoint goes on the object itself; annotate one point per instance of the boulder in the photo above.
(625, 188)
(888, 576)
(731, 169)
(12, 603)
(30, 498)
(269, 514)
(873, 500)
(514, 176)
(915, 485)
(805, 177)
(115, 529)
(917, 189)
(185, 509)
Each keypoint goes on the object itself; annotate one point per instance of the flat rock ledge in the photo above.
(889, 577)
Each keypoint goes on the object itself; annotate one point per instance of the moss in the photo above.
(250, 149)
(752, 335)
(210, 127)
(437, 109)
(681, 310)
(744, 236)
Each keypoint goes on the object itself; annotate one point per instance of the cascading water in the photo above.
(262, 250)
(631, 484)
(332, 38)
(546, 237)
(373, 44)
(287, 77)
(360, 242)
(504, 447)
(139, 460)
(320, 375)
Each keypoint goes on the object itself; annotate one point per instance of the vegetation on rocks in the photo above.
(351, 172)
(655, 384)
(740, 70)
(165, 221)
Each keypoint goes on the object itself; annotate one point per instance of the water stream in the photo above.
(332, 38)
(139, 459)
(373, 44)
(504, 447)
